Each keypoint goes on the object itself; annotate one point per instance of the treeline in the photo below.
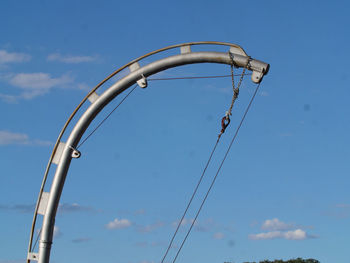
(297, 260)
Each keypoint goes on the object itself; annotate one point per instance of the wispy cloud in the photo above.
(72, 208)
(279, 229)
(137, 212)
(62, 208)
(12, 261)
(32, 85)
(150, 244)
(206, 225)
(57, 232)
(22, 208)
(81, 240)
(142, 244)
(218, 235)
(118, 224)
(286, 134)
(224, 90)
(70, 59)
(184, 222)
(339, 211)
(146, 261)
(343, 210)
(35, 84)
(13, 57)
(200, 226)
(8, 98)
(9, 138)
(264, 93)
(343, 206)
(150, 228)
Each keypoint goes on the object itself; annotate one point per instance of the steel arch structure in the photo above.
(64, 152)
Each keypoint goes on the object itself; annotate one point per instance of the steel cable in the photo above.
(212, 152)
(199, 77)
(217, 173)
(99, 125)
(151, 79)
(189, 203)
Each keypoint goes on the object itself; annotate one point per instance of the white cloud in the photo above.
(218, 235)
(297, 234)
(37, 80)
(70, 59)
(279, 229)
(275, 224)
(268, 235)
(8, 138)
(8, 57)
(118, 224)
(32, 85)
(35, 84)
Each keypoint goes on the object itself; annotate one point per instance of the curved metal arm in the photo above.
(53, 197)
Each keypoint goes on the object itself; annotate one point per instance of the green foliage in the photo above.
(297, 260)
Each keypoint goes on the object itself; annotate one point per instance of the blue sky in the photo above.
(283, 191)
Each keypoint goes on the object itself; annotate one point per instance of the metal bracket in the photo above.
(93, 97)
(134, 66)
(75, 153)
(257, 76)
(237, 51)
(56, 158)
(185, 49)
(33, 256)
(44, 199)
(142, 82)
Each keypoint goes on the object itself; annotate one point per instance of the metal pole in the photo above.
(258, 67)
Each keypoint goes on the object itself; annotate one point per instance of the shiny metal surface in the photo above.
(259, 68)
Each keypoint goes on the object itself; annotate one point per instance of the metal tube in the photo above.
(236, 49)
(98, 105)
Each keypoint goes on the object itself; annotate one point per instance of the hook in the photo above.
(225, 121)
